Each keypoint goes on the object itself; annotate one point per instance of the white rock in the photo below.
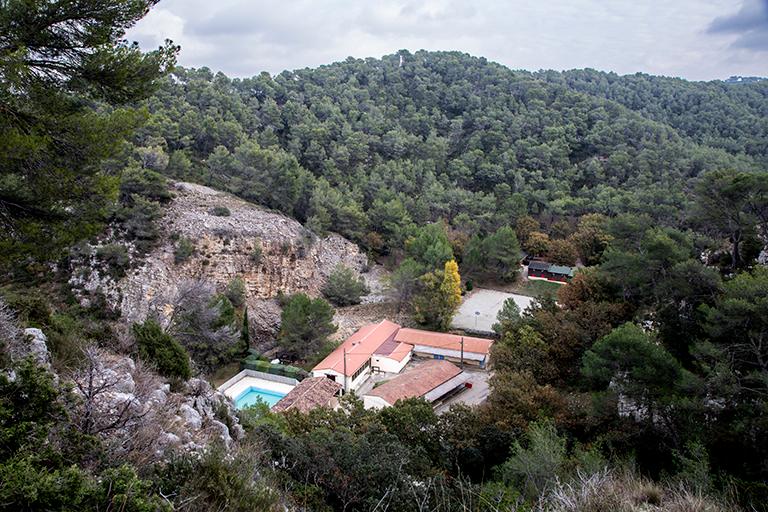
(191, 417)
(221, 431)
(158, 397)
(167, 440)
(36, 347)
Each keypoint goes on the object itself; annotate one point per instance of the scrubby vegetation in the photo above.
(344, 287)
(183, 250)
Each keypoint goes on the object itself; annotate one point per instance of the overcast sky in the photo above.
(694, 39)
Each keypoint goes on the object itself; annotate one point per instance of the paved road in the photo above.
(488, 303)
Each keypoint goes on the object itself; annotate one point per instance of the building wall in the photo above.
(450, 355)
(322, 373)
(390, 365)
(351, 385)
(446, 387)
(354, 384)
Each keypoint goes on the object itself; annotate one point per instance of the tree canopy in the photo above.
(58, 60)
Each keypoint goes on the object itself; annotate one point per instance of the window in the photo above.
(361, 370)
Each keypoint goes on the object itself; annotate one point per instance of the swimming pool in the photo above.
(253, 395)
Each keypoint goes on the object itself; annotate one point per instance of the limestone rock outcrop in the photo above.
(270, 252)
(136, 412)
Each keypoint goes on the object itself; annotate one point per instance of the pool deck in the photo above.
(252, 379)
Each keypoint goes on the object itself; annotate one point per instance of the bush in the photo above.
(116, 259)
(145, 183)
(217, 480)
(469, 286)
(162, 349)
(257, 253)
(235, 292)
(184, 250)
(343, 287)
(221, 211)
(540, 463)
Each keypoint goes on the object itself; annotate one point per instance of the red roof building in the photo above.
(309, 394)
(430, 380)
(386, 347)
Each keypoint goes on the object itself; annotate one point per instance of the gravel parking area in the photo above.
(478, 311)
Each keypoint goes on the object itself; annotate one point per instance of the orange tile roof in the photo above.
(309, 394)
(417, 382)
(443, 340)
(402, 350)
(394, 350)
(360, 346)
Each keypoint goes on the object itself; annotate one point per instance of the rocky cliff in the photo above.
(267, 250)
(129, 407)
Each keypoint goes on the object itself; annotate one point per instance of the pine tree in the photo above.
(508, 318)
(305, 326)
(58, 59)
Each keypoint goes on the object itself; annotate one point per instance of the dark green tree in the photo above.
(404, 283)
(508, 318)
(732, 204)
(503, 253)
(56, 59)
(344, 287)
(430, 246)
(636, 364)
(305, 326)
(245, 332)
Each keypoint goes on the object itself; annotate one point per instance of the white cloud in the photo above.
(245, 37)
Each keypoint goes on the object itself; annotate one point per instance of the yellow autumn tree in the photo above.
(439, 297)
(451, 286)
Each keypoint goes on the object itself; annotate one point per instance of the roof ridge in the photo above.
(364, 338)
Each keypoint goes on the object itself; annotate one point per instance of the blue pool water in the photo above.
(252, 395)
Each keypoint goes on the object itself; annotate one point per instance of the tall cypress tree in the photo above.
(245, 332)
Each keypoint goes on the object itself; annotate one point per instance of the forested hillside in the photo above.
(732, 116)
(373, 146)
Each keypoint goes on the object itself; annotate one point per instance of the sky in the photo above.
(693, 39)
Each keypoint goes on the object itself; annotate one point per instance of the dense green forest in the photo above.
(713, 114)
(644, 386)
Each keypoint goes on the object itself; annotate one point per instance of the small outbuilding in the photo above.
(309, 394)
(430, 380)
(538, 269)
(560, 273)
(453, 347)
